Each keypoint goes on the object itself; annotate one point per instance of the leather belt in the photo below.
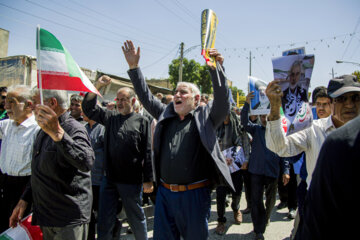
(183, 188)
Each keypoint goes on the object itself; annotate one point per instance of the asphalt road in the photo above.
(279, 227)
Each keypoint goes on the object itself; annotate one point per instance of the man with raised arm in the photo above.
(345, 92)
(127, 160)
(187, 157)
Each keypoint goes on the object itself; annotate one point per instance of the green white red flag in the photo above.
(56, 67)
(24, 231)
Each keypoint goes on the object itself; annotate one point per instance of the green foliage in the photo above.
(357, 74)
(234, 91)
(192, 72)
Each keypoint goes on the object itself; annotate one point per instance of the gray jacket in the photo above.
(207, 119)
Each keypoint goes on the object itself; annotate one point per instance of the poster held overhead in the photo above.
(294, 73)
(209, 23)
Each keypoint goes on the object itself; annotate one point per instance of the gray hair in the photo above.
(60, 96)
(194, 89)
(23, 91)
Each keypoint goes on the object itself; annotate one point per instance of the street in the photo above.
(279, 228)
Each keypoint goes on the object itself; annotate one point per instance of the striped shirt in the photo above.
(17, 146)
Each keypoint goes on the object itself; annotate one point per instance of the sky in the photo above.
(93, 31)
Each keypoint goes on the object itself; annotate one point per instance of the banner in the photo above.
(56, 68)
(260, 104)
(294, 73)
(209, 23)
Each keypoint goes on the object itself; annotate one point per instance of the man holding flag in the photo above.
(60, 184)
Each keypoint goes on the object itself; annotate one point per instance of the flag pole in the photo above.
(39, 63)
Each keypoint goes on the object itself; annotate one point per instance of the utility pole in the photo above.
(181, 61)
(250, 64)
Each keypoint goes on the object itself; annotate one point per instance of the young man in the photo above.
(264, 168)
(187, 157)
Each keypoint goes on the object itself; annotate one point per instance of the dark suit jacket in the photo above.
(207, 119)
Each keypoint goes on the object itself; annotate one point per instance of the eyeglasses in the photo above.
(342, 99)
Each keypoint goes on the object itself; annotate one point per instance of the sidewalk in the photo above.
(279, 228)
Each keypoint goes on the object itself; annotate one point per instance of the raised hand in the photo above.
(249, 97)
(102, 81)
(215, 54)
(274, 94)
(49, 123)
(132, 55)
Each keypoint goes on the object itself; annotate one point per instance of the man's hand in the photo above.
(17, 213)
(49, 123)
(245, 166)
(249, 97)
(285, 179)
(131, 55)
(216, 55)
(148, 187)
(102, 81)
(274, 94)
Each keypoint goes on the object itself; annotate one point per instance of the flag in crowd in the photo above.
(24, 231)
(56, 67)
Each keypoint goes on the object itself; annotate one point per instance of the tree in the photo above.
(235, 90)
(357, 74)
(192, 72)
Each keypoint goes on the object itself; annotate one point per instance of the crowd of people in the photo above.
(76, 164)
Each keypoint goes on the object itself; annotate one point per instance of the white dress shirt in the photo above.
(17, 146)
(308, 140)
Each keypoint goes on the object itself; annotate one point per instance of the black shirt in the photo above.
(127, 144)
(183, 158)
(60, 182)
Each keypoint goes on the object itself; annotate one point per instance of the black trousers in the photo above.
(222, 191)
(247, 186)
(11, 189)
(260, 214)
(288, 193)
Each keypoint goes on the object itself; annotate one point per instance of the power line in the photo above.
(356, 26)
(130, 27)
(88, 23)
(66, 26)
(171, 11)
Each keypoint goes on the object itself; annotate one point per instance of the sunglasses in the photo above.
(354, 98)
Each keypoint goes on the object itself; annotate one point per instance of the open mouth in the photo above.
(178, 102)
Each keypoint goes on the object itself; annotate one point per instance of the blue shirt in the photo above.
(262, 161)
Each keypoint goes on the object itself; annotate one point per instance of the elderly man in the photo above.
(187, 157)
(345, 94)
(60, 186)
(18, 134)
(127, 160)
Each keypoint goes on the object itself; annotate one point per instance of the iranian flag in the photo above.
(56, 68)
(24, 231)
